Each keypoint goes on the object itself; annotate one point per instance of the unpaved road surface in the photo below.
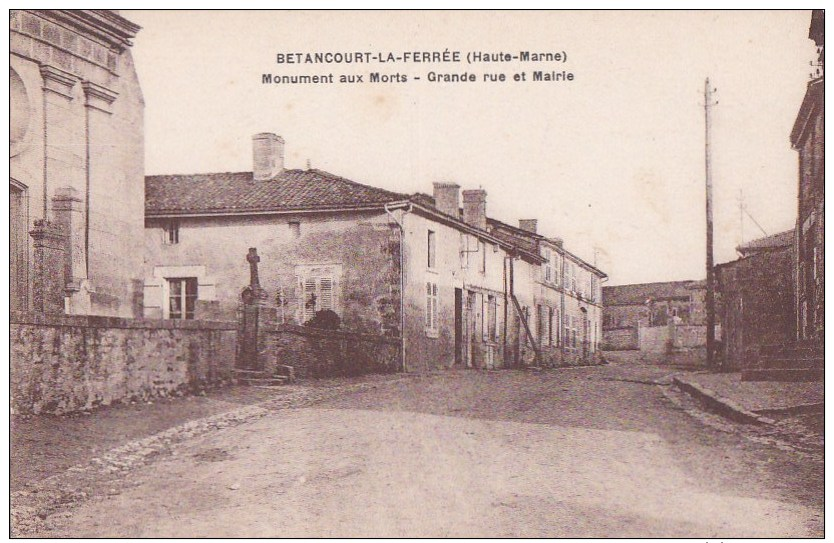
(590, 452)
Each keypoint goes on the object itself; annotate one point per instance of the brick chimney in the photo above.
(447, 199)
(267, 156)
(474, 208)
(531, 225)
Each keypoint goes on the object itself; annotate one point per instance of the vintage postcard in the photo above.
(417, 273)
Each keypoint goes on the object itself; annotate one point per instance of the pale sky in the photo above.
(612, 162)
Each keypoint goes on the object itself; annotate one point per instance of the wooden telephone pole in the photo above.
(708, 104)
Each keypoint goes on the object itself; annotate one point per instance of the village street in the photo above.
(598, 451)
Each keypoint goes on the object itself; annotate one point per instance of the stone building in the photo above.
(76, 171)
(756, 297)
(808, 138)
(565, 296)
(428, 269)
(629, 307)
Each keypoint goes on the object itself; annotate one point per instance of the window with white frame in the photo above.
(318, 290)
(431, 309)
(182, 297)
(548, 266)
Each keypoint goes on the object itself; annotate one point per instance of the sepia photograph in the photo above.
(416, 274)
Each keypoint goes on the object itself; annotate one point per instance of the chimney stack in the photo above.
(267, 156)
(531, 225)
(474, 208)
(446, 198)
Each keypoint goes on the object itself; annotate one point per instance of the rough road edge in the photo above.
(49, 496)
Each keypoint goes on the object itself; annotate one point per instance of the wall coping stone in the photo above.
(95, 321)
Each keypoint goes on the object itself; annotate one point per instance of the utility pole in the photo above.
(708, 104)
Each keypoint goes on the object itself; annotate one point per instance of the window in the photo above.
(571, 276)
(541, 330)
(482, 248)
(570, 332)
(560, 263)
(594, 287)
(182, 295)
(318, 290)
(548, 266)
(491, 320)
(558, 327)
(550, 326)
(430, 250)
(295, 228)
(171, 233)
(431, 309)
(464, 251)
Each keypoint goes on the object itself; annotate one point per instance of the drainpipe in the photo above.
(402, 281)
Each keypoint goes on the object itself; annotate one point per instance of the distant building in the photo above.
(756, 298)
(76, 172)
(808, 138)
(626, 308)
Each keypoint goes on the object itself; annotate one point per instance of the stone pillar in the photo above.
(68, 211)
(48, 267)
(64, 153)
(105, 198)
(253, 298)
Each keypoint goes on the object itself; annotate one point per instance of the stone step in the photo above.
(264, 381)
(783, 374)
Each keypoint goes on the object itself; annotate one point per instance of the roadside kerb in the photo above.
(720, 405)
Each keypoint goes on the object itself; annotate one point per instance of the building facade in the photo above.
(432, 270)
(76, 163)
(756, 298)
(808, 139)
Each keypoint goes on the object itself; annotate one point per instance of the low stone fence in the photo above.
(329, 353)
(671, 337)
(64, 363)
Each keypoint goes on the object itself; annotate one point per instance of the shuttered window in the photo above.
(431, 308)
(319, 292)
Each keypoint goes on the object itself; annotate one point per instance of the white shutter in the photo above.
(434, 307)
(310, 302)
(326, 293)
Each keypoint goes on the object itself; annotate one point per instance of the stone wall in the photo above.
(620, 339)
(61, 364)
(329, 353)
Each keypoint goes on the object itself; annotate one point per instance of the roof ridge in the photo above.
(352, 182)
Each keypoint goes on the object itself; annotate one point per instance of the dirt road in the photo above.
(571, 453)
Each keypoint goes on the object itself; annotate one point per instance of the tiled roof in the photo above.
(510, 234)
(782, 239)
(638, 294)
(239, 193)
